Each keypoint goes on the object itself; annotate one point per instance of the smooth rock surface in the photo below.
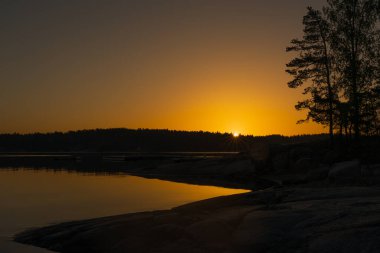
(298, 219)
(345, 171)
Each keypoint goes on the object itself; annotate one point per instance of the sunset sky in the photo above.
(213, 65)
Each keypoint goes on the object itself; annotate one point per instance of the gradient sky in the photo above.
(215, 65)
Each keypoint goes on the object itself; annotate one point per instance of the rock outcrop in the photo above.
(316, 220)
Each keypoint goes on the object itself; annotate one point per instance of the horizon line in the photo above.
(153, 129)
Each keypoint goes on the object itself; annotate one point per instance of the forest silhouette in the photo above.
(139, 140)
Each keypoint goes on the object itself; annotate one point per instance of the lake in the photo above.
(39, 197)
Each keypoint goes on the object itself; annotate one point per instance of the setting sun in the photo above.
(235, 134)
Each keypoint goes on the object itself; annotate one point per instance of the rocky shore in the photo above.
(295, 219)
(299, 203)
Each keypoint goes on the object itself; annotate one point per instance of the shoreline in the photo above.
(7, 244)
(202, 181)
(295, 219)
(317, 210)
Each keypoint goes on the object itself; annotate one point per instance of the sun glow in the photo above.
(235, 134)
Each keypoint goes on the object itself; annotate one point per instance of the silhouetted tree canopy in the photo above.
(314, 66)
(338, 62)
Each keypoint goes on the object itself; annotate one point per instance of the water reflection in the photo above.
(98, 163)
(39, 195)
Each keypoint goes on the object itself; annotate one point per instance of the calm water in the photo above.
(30, 198)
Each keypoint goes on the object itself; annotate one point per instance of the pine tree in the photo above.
(313, 67)
(352, 25)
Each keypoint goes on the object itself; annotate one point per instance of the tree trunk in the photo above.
(354, 72)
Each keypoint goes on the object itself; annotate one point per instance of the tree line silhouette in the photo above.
(338, 63)
(140, 140)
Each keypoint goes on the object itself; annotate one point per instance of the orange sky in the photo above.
(177, 64)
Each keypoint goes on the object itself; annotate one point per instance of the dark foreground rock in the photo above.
(296, 219)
